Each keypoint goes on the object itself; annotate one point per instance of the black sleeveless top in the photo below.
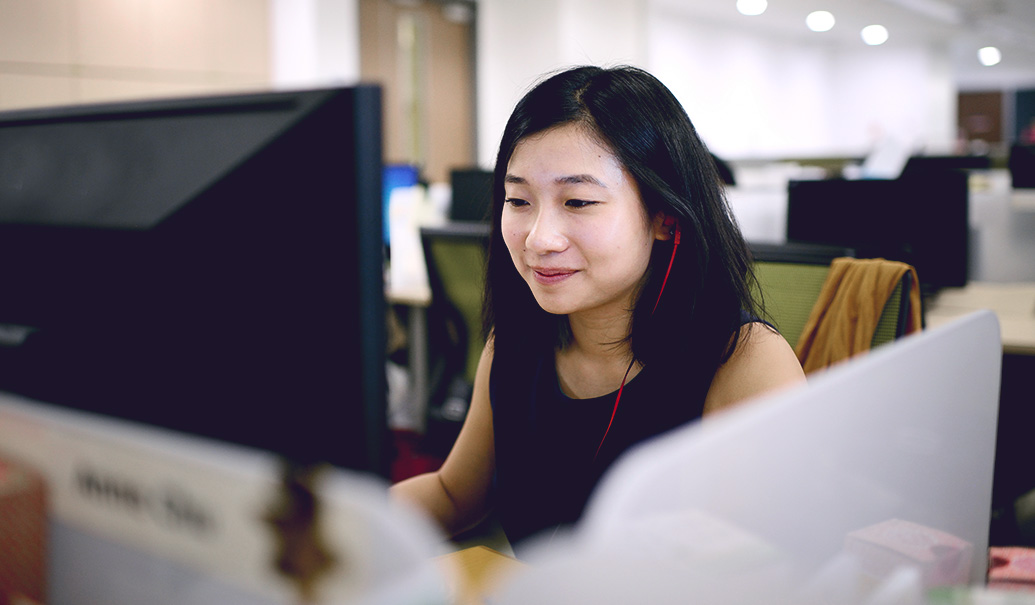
(546, 443)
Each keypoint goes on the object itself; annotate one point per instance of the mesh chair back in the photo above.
(790, 277)
(788, 292)
(456, 273)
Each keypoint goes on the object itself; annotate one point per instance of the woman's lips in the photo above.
(552, 276)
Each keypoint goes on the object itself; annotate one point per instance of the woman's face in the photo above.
(575, 224)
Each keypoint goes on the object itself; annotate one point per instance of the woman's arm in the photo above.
(762, 362)
(457, 495)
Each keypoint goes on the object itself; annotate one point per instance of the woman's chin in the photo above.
(551, 305)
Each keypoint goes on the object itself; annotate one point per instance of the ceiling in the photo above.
(961, 27)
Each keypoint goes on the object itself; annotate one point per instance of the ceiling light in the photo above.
(820, 21)
(875, 35)
(752, 7)
(990, 56)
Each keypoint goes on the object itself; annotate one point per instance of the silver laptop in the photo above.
(872, 483)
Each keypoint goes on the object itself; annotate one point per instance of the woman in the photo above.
(617, 303)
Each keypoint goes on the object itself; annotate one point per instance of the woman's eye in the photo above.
(579, 203)
(513, 201)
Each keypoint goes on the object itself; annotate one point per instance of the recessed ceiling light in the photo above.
(820, 21)
(752, 7)
(875, 35)
(990, 56)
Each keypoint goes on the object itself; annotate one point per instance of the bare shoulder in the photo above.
(762, 362)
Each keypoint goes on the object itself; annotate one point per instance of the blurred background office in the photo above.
(771, 96)
(758, 86)
(781, 93)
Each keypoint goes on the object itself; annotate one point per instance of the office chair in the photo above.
(791, 279)
(455, 258)
(894, 321)
(788, 280)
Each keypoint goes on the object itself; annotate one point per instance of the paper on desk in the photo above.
(144, 515)
(407, 271)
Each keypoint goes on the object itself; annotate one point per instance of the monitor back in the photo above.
(921, 219)
(210, 265)
(881, 464)
(1022, 165)
(472, 194)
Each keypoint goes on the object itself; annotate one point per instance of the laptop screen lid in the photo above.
(885, 461)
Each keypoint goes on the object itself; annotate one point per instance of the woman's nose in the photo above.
(547, 234)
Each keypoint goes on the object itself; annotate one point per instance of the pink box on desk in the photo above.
(1011, 568)
(942, 558)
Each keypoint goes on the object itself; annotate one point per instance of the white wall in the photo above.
(748, 96)
(520, 41)
(757, 97)
(62, 52)
(314, 42)
(904, 91)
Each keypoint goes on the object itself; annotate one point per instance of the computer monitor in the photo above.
(1022, 166)
(472, 194)
(395, 177)
(210, 265)
(924, 163)
(921, 219)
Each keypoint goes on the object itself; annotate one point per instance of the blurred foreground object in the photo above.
(870, 484)
(23, 533)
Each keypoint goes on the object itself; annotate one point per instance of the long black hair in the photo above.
(646, 128)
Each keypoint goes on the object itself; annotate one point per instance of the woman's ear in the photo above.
(665, 226)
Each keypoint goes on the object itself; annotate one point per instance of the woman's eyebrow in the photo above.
(571, 179)
(578, 179)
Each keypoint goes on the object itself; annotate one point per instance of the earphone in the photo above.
(671, 223)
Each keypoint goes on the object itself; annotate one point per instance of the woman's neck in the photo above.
(597, 357)
(600, 335)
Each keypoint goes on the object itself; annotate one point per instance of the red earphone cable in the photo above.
(615, 410)
(675, 244)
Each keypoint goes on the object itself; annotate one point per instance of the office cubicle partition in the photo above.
(921, 219)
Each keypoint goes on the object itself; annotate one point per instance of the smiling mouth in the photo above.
(552, 276)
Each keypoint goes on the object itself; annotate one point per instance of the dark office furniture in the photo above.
(1022, 165)
(210, 265)
(472, 194)
(455, 257)
(921, 219)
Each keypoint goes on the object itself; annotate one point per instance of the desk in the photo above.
(1013, 304)
(417, 296)
(473, 573)
(1023, 199)
(1002, 221)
